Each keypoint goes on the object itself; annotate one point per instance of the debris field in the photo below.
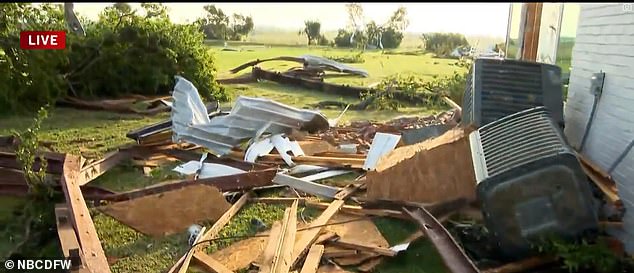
(426, 170)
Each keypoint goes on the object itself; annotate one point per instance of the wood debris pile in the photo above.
(214, 189)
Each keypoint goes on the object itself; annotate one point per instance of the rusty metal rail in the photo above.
(453, 256)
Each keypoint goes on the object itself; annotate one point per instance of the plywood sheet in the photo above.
(170, 212)
(363, 232)
(436, 170)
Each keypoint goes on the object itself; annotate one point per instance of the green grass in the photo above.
(86, 132)
(94, 133)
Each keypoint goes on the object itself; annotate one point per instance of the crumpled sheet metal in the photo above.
(327, 64)
(249, 118)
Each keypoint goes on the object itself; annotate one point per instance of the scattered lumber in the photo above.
(87, 235)
(312, 259)
(315, 227)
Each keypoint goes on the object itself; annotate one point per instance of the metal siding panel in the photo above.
(605, 41)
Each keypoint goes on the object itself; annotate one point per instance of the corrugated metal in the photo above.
(604, 42)
(249, 118)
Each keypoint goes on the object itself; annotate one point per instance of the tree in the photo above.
(391, 38)
(355, 22)
(442, 44)
(387, 35)
(312, 30)
(218, 25)
(122, 7)
(240, 26)
(155, 10)
(398, 21)
(121, 54)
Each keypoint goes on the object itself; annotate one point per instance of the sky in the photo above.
(488, 19)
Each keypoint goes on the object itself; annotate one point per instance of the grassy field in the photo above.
(93, 133)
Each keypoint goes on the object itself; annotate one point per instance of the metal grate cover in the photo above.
(530, 183)
(501, 87)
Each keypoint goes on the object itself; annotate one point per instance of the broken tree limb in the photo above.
(452, 103)
(312, 259)
(86, 234)
(116, 106)
(314, 228)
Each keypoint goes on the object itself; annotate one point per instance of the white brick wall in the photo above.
(605, 42)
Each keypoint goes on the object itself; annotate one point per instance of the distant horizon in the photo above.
(470, 19)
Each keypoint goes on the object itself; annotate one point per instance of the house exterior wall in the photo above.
(605, 42)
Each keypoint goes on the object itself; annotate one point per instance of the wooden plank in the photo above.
(225, 218)
(99, 167)
(604, 183)
(217, 226)
(94, 255)
(209, 264)
(188, 256)
(285, 252)
(312, 259)
(67, 237)
(271, 247)
(348, 190)
(313, 231)
(339, 253)
(279, 251)
(356, 210)
(326, 237)
(362, 247)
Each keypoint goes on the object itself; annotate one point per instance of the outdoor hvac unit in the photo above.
(529, 182)
(499, 87)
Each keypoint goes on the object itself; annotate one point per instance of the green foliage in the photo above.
(431, 92)
(220, 26)
(343, 39)
(442, 44)
(391, 38)
(388, 36)
(29, 78)
(577, 257)
(26, 155)
(323, 41)
(122, 53)
(349, 59)
(312, 30)
(33, 218)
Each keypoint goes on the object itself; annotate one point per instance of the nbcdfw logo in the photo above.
(42, 39)
(37, 264)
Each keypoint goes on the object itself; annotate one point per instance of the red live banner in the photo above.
(43, 39)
